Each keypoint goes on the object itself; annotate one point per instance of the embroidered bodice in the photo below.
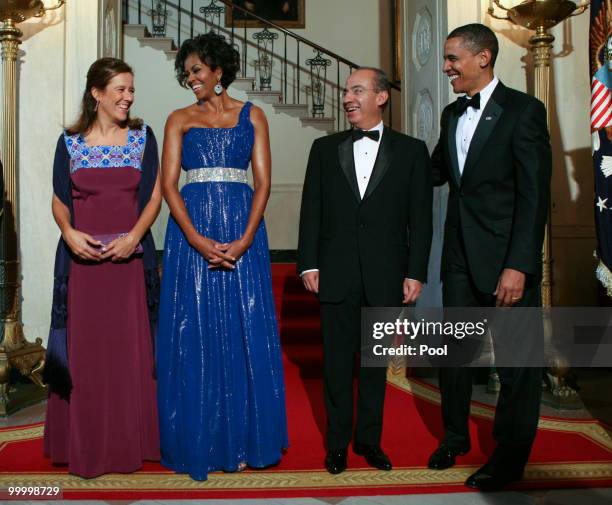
(85, 156)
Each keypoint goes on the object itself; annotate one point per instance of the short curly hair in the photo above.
(214, 51)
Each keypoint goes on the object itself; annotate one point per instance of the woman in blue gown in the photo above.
(220, 377)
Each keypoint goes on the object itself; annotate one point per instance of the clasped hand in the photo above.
(88, 248)
(121, 248)
(218, 254)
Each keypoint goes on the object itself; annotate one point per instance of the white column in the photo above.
(56, 52)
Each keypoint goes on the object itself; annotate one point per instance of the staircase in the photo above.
(278, 66)
(297, 312)
(167, 46)
(282, 86)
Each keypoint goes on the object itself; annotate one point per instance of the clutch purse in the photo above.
(109, 237)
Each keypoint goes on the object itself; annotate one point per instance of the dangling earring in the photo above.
(96, 107)
(218, 88)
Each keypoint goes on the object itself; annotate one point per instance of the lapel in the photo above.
(383, 160)
(488, 119)
(452, 144)
(347, 163)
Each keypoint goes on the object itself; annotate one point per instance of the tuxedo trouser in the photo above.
(341, 328)
(518, 404)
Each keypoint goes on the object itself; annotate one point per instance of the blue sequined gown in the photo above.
(220, 377)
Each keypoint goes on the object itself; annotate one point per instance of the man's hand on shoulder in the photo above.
(311, 281)
(412, 290)
(510, 287)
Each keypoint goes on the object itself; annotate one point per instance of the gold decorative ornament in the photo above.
(541, 16)
(16, 353)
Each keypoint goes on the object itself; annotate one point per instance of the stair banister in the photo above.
(296, 65)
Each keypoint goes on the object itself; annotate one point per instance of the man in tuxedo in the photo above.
(364, 241)
(495, 154)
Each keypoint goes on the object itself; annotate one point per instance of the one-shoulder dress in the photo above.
(219, 365)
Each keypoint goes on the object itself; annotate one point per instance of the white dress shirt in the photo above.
(365, 151)
(468, 121)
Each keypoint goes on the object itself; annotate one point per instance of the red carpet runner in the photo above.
(566, 453)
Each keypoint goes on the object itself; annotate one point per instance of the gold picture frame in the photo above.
(397, 41)
(272, 10)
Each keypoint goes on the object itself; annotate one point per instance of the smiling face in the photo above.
(115, 100)
(200, 78)
(468, 71)
(362, 101)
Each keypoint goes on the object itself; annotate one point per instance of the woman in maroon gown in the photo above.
(102, 413)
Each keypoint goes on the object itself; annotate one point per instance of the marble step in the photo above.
(292, 109)
(326, 124)
(244, 83)
(138, 31)
(271, 97)
(165, 44)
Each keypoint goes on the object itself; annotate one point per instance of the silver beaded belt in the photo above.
(217, 174)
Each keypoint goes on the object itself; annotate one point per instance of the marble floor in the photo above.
(593, 496)
(27, 415)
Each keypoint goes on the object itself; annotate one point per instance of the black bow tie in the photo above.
(371, 134)
(463, 103)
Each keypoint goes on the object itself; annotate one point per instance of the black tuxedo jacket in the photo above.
(380, 239)
(500, 203)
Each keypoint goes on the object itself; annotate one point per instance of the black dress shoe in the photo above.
(373, 455)
(444, 457)
(489, 479)
(335, 461)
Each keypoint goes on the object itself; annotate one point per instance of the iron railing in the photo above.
(275, 58)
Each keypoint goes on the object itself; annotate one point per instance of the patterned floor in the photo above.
(594, 496)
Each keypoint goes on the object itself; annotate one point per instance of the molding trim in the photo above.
(573, 231)
(289, 187)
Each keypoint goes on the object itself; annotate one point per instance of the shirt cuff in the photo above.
(306, 271)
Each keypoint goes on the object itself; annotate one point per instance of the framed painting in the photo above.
(286, 13)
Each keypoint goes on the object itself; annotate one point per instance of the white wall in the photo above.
(359, 30)
(54, 56)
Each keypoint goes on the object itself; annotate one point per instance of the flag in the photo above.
(600, 52)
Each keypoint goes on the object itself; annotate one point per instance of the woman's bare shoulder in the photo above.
(180, 118)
